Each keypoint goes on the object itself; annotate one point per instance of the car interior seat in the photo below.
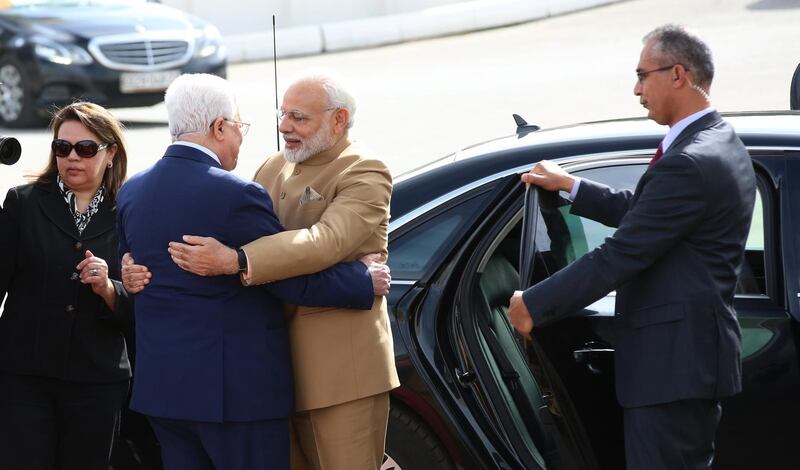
(498, 282)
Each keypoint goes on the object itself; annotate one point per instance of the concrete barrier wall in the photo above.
(316, 26)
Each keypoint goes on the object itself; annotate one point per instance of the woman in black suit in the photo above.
(64, 367)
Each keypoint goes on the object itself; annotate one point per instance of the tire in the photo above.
(411, 445)
(16, 102)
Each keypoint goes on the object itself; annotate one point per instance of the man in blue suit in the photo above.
(213, 371)
(674, 262)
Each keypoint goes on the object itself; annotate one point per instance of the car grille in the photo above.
(141, 53)
(145, 52)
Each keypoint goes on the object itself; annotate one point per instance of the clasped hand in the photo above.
(94, 271)
(204, 256)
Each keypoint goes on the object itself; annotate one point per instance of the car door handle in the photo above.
(588, 354)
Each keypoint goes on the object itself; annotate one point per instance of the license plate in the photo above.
(140, 82)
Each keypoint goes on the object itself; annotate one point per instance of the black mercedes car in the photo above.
(118, 53)
(465, 233)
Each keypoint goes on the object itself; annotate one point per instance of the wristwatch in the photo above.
(242, 260)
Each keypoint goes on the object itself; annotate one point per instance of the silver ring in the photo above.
(93, 271)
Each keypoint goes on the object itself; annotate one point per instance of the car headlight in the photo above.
(60, 53)
(208, 42)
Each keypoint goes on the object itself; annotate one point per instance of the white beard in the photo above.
(315, 144)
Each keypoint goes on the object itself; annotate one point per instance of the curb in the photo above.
(392, 29)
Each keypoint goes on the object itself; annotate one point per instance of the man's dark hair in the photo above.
(675, 45)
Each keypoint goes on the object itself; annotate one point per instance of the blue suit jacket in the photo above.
(208, 348)
(674, 261)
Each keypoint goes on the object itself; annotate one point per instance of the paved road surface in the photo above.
(419, 101)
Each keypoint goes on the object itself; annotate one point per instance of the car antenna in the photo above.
(794, 93)
(522, 125)
(275, 69)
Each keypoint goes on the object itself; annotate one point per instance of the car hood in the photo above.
(89, 20)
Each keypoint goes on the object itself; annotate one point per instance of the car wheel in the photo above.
(16, 108)
(411, 445)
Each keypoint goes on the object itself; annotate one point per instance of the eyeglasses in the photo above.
(243, 126)
(298, 117)
(84, 148)
(641, 75)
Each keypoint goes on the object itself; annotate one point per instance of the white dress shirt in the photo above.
(672, 134)
(200, 148)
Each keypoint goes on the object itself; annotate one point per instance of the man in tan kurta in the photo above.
(334, 202)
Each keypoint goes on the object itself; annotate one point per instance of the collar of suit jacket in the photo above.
(190, 153)
(323, 158)
(57, 210)
(704, 122)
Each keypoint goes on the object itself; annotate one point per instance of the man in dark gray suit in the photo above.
(673, 260)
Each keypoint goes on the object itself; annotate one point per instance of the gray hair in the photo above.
(677, 45)
(195, 100)
(338, 96)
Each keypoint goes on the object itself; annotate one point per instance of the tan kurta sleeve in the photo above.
(358, 212)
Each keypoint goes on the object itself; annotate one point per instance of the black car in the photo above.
(465, 234)
(118, 53)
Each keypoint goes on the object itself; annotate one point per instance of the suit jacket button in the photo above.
(283, 195)
(70, 308)
(74, 277)
(78, 246)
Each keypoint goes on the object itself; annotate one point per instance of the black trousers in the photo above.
(51, 424)
(672, 436)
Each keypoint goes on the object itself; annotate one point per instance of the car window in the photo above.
(412, 253)
(563, 237)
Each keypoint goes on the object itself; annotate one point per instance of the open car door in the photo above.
(504, 388)
(559, 403)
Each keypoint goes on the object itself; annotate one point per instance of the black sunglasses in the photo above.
(84, 149)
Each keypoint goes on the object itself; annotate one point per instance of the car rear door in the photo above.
(758, 426)
(755, 423)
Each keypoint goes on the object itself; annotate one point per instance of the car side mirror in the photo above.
(794, 92)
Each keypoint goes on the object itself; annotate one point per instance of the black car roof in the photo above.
(772, 129)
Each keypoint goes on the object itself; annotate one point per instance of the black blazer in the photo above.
(52, 325)
(674, 261)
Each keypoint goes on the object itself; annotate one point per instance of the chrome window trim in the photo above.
(773, 149)
(575, 163)
(404, 282)
(425, 208)
(567, 161)
(498, 239)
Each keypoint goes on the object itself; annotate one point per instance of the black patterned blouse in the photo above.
(81, 218)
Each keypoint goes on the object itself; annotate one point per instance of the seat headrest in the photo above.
(499, 280)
